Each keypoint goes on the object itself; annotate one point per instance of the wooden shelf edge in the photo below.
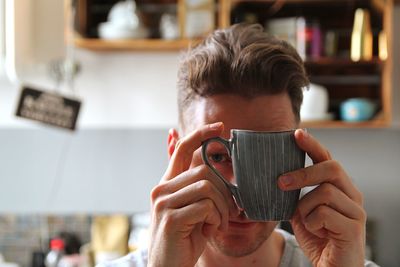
(325, 2)
(342, 124)
(137, 44)
(340, 62)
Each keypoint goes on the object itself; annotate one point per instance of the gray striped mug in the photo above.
(258, 159)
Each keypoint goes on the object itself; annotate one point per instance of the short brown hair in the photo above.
(242, 60)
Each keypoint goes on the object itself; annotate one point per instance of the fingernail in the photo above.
(215, 126)
(305, 133)
(286, 180)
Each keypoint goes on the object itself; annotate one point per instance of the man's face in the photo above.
(262, 113)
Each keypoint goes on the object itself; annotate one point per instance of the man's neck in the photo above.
(268, 254)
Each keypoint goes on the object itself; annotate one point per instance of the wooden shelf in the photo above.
(342, 77)
(305, 2)
(341, 62)
(342, 124)
(137, 44)
(346, 80)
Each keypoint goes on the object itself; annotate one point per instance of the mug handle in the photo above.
(227, 144)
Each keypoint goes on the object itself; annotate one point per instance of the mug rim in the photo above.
(270, 132)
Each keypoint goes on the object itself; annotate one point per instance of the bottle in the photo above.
(56, 252)
(308, 41)
(361, 37)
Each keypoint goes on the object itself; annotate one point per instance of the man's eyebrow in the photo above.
(216, 147)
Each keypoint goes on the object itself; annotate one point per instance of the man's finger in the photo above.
(203, 211)
(194, 175)
(329, 195)
(316, 151)
(337, 225)
(325, 172)
(196, 192)
(186, 146)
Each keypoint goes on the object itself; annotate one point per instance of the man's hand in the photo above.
(189, 204)
(329, 222)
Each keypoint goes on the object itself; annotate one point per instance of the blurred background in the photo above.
(66, 189)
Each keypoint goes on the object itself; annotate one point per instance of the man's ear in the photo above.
(173, 137)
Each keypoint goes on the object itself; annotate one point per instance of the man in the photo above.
(240, 78)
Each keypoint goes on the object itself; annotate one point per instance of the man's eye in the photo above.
(219, 158)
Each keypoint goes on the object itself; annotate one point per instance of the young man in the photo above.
(240, 78)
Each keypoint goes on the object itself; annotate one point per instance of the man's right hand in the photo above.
(188, 205)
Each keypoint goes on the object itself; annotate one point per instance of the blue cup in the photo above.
(357, 109)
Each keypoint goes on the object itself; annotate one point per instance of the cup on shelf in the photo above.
(357, 109)
(315, 104)
(123, 23)
(169, 27)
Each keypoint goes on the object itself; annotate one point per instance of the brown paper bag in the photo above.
(110, 237)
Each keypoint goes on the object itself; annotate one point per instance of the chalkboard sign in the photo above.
(48, 107)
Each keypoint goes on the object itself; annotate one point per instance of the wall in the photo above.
(118, 154)
(92, 171)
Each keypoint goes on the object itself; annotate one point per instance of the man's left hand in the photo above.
(329, 222)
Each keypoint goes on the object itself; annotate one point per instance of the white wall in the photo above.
(91, 171)
(118, 153)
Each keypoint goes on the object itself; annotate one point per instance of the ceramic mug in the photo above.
(357, 109)
(258, 159)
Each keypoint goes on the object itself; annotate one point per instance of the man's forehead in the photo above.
(266, 112)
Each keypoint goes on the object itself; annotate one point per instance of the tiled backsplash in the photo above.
(21, 235)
